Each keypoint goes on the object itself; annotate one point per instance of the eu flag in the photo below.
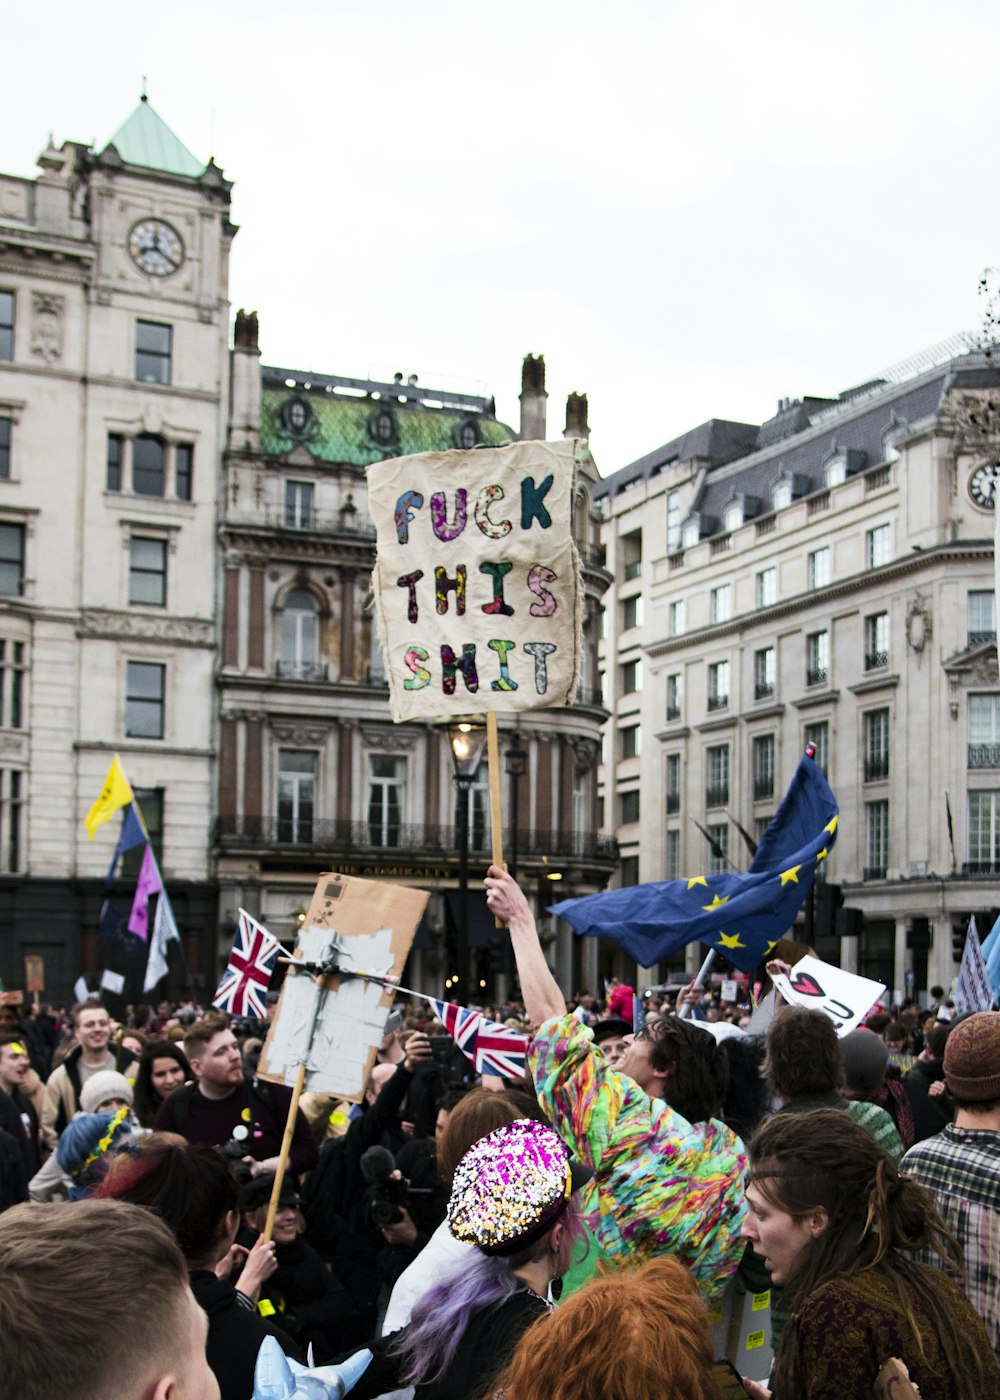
(740, 915)
(132, 834)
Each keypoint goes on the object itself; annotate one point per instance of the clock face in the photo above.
(155, 247)
(983, 485)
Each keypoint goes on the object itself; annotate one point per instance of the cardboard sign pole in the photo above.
(496, 812)
(286, 1147)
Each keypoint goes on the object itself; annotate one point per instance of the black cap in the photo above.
(611, 1026)
(257, 1192)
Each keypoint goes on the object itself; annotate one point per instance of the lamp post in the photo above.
(465, 744)
(516, 765)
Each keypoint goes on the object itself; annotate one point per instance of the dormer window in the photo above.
(738, 510)
(467, 434)
(892, 439)
(296, 416)
(382, 426)
(691, 531)
(786, 488)
(835, 470)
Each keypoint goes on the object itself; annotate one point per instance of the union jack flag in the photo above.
(489, 1047)
(243, 989)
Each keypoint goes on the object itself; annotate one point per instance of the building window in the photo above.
(631, 741)
(632, 555)
(300, 637)
(781, 493)
(760, 826)
(629, 867)
(383, 427)
(673, 783)
(299, 505)
(877, 840)
(984, 731)
(876, 724)
(150, 802)
(673, 521)
(721, 603)
(717, 769)
(982, 617)
(6, 432)
(876, 641)
(878, 546)
(145, 686)
(673, 855)
(11, 559)
(479, 809)
(984, 833)
(184, 470)
(763, 767)
(819, 734)
(718, 845)
(13, 790)
(631, 677)
(149, 456)
(632, 612)
(630, 807)
(152, 352)
(6, 325)
(675, 618)
(675, 695)
(11, 684)
(817, 658)
(718, 685)
(296, 795)
(147, 571)
(386, 785)
(767, 587)
(113, 462)
(764, 670)
(819, 568)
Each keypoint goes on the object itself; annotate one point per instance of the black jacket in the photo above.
(309, 1303)
(235, 1333)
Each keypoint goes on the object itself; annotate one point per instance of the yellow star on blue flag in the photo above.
(747, 912)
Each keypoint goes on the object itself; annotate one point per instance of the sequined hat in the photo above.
(511, 1187)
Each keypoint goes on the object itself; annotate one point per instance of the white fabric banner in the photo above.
(477, 579)
(975, 990)
(112, 981)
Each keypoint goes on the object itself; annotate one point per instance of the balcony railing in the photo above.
(877, 768)
(984, 755)
(673, 803)
(721, 544)
(878, 478)
(816, 675)
(673, 712)
(819, 503)
(595, 555)
(334, 522)
(413, 838)
(874, 872)
(981, 869)
(763, 788)
(763, 690)
(876, 660)
(676, 561)
(633, 569)
(589, 695)
(718, 702)
(301, 670)
(717, 795)
(979, 639)
(766, 525)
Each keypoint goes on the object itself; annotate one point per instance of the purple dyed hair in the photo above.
(441, 1316)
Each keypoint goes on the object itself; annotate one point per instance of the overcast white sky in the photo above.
(692, 209)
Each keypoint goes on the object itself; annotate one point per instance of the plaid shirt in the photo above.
(961, 1167)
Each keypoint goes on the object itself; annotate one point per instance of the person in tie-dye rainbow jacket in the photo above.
(668, 1176)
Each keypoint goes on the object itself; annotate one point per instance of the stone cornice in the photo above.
(145, 627)
(884, 682)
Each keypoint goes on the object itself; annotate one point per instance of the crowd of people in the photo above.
(576, 1235)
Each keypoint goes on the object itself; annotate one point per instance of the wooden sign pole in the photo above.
(496, 810)
(286, 1147)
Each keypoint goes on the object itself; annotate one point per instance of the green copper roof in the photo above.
(343, 429)
(146, 140)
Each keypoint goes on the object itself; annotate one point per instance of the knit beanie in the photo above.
(972, 1058)
(101, 1087)
(865, 1056)
(83, 1148)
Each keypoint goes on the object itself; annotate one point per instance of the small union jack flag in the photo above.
(489, 1047)
(243, 989)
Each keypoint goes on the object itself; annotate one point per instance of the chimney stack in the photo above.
(533, 397)
(244, 384)
(576, 418)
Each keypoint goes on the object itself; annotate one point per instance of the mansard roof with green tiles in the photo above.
(356, 421)
(145, 140)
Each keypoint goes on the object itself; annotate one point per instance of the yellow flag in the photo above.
(114, 794)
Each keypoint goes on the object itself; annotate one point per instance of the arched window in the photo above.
(300, 637)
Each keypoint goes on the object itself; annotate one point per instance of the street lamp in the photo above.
(465, 744)
(516, 764)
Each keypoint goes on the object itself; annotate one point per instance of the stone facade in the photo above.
(828, 576)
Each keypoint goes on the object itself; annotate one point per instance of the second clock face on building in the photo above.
(983, 485)
(155, 247)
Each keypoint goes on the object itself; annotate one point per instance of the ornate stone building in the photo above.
(826, 576)
(313, 774)
(113, 401)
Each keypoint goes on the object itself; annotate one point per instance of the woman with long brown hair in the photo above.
(835, 1220)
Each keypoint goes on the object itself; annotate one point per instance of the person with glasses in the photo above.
(668, 1175)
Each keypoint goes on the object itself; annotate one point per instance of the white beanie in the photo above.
(99, 1088)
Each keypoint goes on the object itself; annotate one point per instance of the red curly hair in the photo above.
(632, 1330)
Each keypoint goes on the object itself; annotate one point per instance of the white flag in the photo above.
(974, 991)
(112, 981)
(164, 928)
